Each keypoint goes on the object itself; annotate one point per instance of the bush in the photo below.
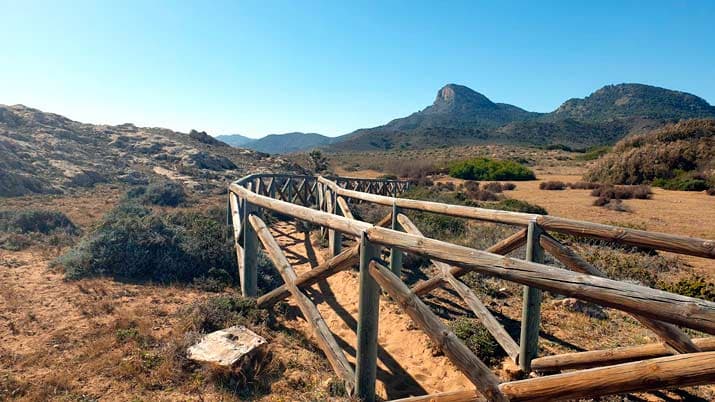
(483, 195)
(221, 312)
(36, 221)
(508, 186)
(131, 243)
(490, 169)
(711, 191)
(693, 287)
(584, 185)
(513, 205)
(166, 193)
(439, 226)
(494, 187)
(478, 340)
(682, 184)
(552, 185)
(629, 264)
(642, 192)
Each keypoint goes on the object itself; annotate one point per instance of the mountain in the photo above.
(234, 140)
(48, 153)
(628, 101)
(287, 143)
(460, 115)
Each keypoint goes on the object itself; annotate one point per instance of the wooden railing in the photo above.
(325, 202)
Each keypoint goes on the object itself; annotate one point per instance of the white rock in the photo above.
(225, 347)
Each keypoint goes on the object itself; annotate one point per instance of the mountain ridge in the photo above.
(460, 115)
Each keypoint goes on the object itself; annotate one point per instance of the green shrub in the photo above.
(478, 340)
(594, 153)
(681, 184)
(490, 169)
(513, 205)
(631, 264)
(131, 243)
(224, 311)
(696, 286)
(36, 221)
(165, 193)
(439, 226)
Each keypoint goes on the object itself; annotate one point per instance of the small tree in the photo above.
(318, 161)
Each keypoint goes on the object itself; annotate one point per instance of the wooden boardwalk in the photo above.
(679, 360)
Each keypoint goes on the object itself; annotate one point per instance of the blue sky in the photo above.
(331, 67)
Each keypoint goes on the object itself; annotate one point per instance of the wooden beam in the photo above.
(531, 308)
(344, 208)
(669, 333)
(661, 241)
(672, 371)
(597, 358)
(647, 375)
(340, 262)
(457, 352)
(248, 273)
(686, 311)
(324, 337)
(503, 247)
(470, 299)
(395, 253)
(470, 395)
(368, 317)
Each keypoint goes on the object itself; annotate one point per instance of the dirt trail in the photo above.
(406, 365)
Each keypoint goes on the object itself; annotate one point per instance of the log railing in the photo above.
(325, 202)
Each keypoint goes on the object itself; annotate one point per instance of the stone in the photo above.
(225, 347)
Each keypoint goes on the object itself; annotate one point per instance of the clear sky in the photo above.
(331, 67)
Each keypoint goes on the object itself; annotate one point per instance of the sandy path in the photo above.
(406, 364)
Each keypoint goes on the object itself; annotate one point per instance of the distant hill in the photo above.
(678, 153)
(287, 143)
(47, 153)
(234, 140)
(460, 115)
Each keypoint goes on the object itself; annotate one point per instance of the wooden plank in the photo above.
(470, 395)
(458, 353)
(368, 317)
(248, 273)
(531, 308)
(236, 222)
(324, 337)
(669, 333)
(344, 208)
(597, 358)
(340, 262)
(470, 299)
(395, 253)
(672, 371)
(503, 247)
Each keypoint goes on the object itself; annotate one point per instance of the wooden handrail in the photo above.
(686, 311)
(634, 237)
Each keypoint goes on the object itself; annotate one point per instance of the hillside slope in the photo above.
(289, 142)
(234, 140)
(48, 153)
(683, 149)
(460, 115)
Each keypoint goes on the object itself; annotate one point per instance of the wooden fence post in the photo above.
(368, 314)
(395, 253)
(531, 311)
(335, 238)
(248, 271)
